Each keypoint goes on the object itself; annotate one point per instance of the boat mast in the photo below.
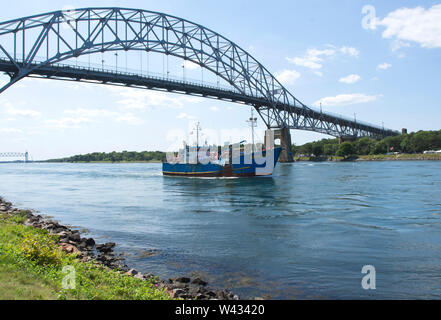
(198, 127)
(253, 123)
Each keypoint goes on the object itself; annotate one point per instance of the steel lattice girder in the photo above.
(62, 35)
(12, 154)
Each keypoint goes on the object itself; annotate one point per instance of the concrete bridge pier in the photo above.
(347, 139)
(285, 142)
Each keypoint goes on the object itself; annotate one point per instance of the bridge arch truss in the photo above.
(61, 35)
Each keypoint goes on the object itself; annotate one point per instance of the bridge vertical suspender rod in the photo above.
(15, 45)
(24, 39)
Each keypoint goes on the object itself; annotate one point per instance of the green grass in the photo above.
(31, 267)
(376, 157)
(322, 158)
(18, 285)
(402, 156)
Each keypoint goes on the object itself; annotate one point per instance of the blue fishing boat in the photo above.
(261, 164)
(227, 161)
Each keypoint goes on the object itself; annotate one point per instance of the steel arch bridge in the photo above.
(24, 155)
(61, 35)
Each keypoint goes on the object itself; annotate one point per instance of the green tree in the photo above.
(345, 149)
(330, 149)
(317, 150)
(364, 146)
(379, 148)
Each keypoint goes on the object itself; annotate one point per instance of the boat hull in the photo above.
(239, 168)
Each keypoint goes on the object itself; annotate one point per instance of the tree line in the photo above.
(125, 156)
(415, 142)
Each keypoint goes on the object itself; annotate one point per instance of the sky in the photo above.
(378, 61)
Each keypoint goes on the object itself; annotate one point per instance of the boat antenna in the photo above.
(253, 123)
(198, 128)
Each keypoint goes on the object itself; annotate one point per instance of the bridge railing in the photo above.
(337, 115)
(85, 66)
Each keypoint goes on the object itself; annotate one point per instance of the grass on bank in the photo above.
(374, 157)
(31, 267)
(401, 156)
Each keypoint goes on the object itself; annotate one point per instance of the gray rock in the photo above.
(132, 272)
(180, 279)
(199, 282)
(63, 234)
(201, 296)
(82, 246)
(107, 247)
(75, 236)
(179, 285)
(90, 242)
(177, 293)
(211, 293)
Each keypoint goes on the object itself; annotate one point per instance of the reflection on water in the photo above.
(304, 233)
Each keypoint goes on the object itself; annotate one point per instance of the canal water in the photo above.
(304, 233)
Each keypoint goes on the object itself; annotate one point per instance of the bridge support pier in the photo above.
(347, 139)
(285, 142)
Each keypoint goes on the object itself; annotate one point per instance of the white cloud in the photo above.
(384, 66)
(346, 99)
(419, 25)
(314, 58)
(139, 99)
(318, 73)
(13, 111)
(82, 112)
(398, 44)
(350, 79)
(129, 118)
(10, 130)
(316, 53)
(288, 77)
(175, 138)
(184, 115)
(24, 113)
(67, 123)
(307, 62)
(350, 51)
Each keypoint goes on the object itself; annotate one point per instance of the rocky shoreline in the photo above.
(87, 250)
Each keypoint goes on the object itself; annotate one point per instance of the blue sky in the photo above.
(386, 70)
